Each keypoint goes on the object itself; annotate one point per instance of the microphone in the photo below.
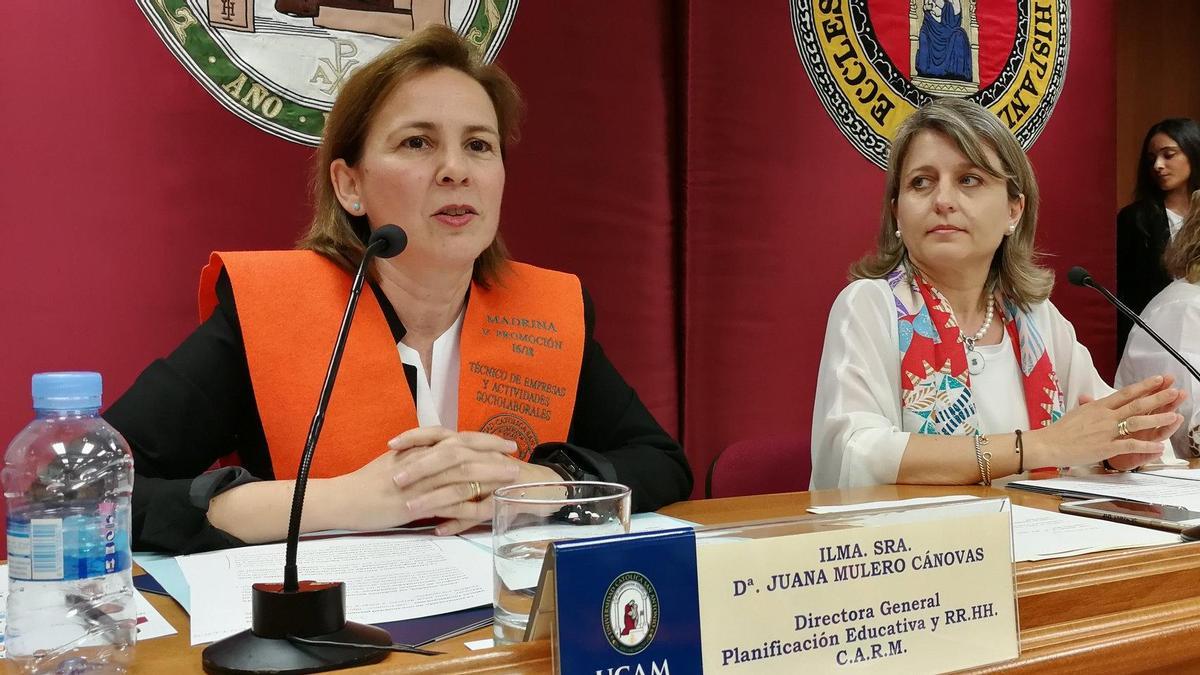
(1080, 277)
(300, 626)
(394, 239)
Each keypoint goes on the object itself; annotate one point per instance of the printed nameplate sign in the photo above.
(626, 605)
(927, 596)
(925, 589)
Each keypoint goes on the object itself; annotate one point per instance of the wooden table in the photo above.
(1123, 611)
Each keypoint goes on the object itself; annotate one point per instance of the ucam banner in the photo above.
(874, 63)
(279, 64)
(925, 589)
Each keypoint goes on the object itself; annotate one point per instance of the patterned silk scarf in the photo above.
(935, 386)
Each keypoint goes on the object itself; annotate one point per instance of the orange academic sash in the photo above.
(520, 354)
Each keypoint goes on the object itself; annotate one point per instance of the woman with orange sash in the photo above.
(463, 372)
(945, 361)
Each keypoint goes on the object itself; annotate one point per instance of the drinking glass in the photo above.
(530, 516)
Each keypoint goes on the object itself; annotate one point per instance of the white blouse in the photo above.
(998, 410)
(1174, 222)
(857, 435)
(1175, 315)
(437, 392)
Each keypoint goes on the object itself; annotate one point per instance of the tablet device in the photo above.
(1158, 516)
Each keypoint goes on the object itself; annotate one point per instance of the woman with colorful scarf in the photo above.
(944, 361)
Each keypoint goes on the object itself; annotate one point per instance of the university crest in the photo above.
(631, 613)
(279, 64)
(874, 62)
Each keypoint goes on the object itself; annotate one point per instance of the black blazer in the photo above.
(1142, 237)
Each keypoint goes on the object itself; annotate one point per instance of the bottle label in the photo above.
(67, 549)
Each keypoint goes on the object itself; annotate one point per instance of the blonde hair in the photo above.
(1182, 257)
(341, 236)
(1015, 271)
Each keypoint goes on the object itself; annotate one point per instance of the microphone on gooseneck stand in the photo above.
(300, 626)
(1080, 277)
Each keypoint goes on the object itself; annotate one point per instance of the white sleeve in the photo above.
(1072, 361)
(857, 438)
(1144, 357)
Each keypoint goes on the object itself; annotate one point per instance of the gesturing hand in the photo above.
(450, 474)
(1092, 432)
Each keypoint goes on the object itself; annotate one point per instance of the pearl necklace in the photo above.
(987, 323)
(975, 360)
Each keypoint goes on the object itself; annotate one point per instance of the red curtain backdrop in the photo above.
(674, 156)
(591, 184)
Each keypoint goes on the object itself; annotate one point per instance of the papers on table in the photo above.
(226, 581)
(1152, 487)
(388, 578)
(150, 624)
(1186, 474)
(915, 501)
(1039, 534)
(166, 572)
(476, 645)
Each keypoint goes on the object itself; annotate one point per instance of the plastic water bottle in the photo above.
(67, 481)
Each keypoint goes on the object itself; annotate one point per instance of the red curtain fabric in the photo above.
(590, 186)
(674, 155)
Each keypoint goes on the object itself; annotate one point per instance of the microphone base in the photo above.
(246, 652)
(315, 612)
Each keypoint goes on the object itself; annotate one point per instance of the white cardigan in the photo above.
(857, 434)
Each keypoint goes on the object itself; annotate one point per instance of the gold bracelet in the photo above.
(984, 459)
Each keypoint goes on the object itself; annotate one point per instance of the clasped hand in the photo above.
(433, 472)
(1091, 433)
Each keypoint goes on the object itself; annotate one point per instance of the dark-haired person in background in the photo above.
(1165, 178)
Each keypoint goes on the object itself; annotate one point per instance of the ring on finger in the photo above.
(1123, 428)
(476, 490)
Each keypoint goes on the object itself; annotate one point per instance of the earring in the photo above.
(1012, 228)
(358, 205)
(897, 233)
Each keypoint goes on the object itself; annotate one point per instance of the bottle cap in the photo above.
(66, 391)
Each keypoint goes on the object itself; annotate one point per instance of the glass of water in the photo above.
(530, 516)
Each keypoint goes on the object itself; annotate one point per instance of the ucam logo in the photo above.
(874, 63)
(630, 620)
(279, 64)
(631, 613)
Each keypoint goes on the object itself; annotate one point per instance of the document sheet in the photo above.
(388, 578)
(1039, 534)
(1186, 474)
(1139, 487)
